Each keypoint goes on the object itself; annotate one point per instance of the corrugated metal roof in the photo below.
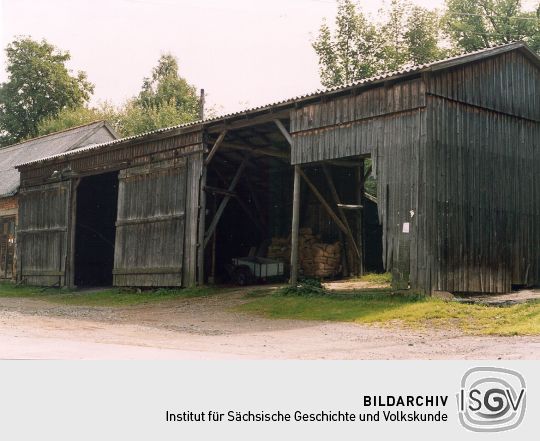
(39, 148)
(405, 71)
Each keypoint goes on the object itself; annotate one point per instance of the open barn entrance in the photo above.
(249, 204)
(97, 198)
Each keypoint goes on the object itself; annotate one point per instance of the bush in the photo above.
(305, 288)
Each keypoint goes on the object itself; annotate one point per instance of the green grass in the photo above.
(376, 278)
(373, 306)
(107, 297)
(415, 311)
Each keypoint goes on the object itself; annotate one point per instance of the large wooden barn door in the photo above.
(42, 234)
(150, 225)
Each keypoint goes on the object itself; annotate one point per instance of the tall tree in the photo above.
(395, 52)
(72, 117)
(477, 24)
(166, 99)
(352, 51)
(166, 87)
(422, 36)
(359, 47)
(39, 86)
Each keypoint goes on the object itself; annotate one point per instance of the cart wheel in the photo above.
(242, 275)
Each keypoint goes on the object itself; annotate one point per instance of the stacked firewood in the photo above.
(316, 259)
(280, 249)
(326, 259)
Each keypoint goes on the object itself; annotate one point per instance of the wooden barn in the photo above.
(451, 149)
(31, 150)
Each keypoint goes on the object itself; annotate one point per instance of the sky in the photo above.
(244, 53)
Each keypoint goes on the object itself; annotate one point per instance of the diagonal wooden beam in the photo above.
(283, 131)
(342, 215)
(225, 201)
(215, 147)
(370, 198)
(323, 202)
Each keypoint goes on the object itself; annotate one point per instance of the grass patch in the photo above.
(376, 278)
(416, 311)
(106, 297)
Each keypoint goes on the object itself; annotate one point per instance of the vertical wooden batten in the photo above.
(202, 227)
(72, 222)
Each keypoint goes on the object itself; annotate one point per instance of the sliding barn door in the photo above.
(150, 223)
(42, 234)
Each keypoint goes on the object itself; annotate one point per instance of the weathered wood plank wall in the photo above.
(349, 125)
(150, 225)
(484, 156)
(42, 234)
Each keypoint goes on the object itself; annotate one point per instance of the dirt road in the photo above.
(205, 328)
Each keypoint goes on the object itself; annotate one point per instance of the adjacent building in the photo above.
(34, 149)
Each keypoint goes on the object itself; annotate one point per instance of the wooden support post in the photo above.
(215, 147)
(295, 227)
(361, 176)
(202, 226)
(224, 202)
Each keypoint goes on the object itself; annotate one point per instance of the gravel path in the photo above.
(204, 328)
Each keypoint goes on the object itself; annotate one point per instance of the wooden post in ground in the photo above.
(361, 176)
(295, 227)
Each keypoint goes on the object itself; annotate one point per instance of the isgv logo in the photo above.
(491, 399)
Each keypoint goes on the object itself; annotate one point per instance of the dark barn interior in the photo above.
(249, 185)
(97, 198)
